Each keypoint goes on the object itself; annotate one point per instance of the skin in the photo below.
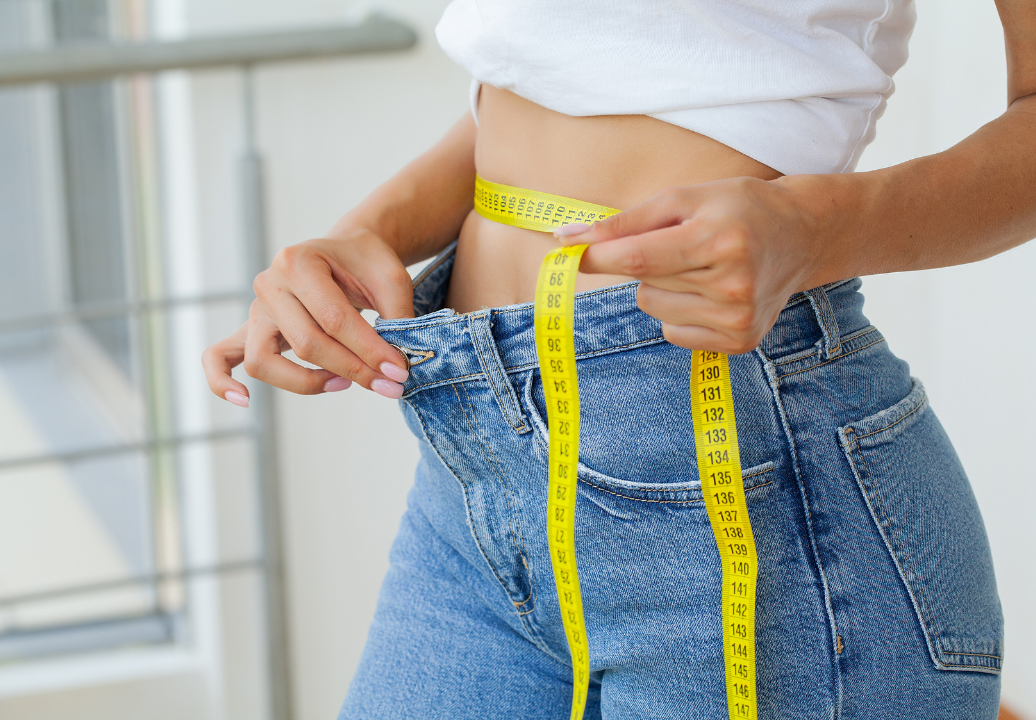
(718, 240)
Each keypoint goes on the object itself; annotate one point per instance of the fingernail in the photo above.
(387, 388)
(394, 372)
(571, 229)
(337, 383)
(236, 398)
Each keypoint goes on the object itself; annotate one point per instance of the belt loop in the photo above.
(480, 328)
(826, 319)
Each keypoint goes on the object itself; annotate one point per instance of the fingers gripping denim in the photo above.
(876, 597)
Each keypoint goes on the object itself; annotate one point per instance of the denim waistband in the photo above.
(444, 346)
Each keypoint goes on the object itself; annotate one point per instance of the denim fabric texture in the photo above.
(876, 594)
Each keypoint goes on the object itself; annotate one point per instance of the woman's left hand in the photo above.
(717, 262)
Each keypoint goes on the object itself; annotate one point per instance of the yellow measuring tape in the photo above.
(719, 466)
(533, 210)
(715, 434)
(555, 348)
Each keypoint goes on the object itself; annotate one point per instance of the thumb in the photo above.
(667, 208)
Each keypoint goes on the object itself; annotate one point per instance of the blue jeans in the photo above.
(876, 594)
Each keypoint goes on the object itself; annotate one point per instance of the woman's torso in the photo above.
(615, 160)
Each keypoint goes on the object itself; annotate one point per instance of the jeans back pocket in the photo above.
(922, 503)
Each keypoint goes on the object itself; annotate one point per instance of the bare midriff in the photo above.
(612, 160)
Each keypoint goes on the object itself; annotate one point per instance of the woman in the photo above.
(725, 133)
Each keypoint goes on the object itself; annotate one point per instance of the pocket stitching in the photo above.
(834, 359)
(589, 475)
(920, 405)
(673, 502)
(853, 449)
(886, 531)
(760, 469)
(922, 604)
(540, 430)
(493, 386)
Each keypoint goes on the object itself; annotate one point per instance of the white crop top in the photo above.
(796, 84)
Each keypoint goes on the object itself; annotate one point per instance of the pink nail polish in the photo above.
(387, 388)
(394, 372)
(571, 229)
(336, 384)
(236, 398)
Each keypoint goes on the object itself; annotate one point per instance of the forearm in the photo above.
(422, 207)
(968, 203)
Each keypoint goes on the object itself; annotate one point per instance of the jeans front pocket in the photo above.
(636, 423)
(676, 481)
(922, 503)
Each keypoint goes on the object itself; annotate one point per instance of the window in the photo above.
(128, 508)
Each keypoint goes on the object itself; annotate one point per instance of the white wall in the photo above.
(331, 131)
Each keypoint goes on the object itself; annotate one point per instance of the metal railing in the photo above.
(65, 64)
(105, 60)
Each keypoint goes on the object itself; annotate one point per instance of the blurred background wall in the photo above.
(329, 132)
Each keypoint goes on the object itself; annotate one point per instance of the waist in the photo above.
(616, 161)
(612, 160)
(444, 347)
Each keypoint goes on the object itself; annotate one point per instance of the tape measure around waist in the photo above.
(533, 210)
(715, 433)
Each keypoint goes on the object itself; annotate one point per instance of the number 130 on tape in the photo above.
(719, 466)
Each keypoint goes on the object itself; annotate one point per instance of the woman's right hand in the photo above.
(309, 300)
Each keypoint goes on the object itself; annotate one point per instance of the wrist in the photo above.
(373, 221)
(376, 220)
(394, 214)
(829, 209)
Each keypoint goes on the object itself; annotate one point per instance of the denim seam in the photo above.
(670, 502)
(844, 341)
(920, 404)
(530, 627)
(529, 366)
(433, 266)
(797, 358)
(511, 401)
(467, 498)
(492, 385)
(836, 674)
(834, 359)
(662, 489)
(533, 631)
(524, 307)
(445, 381)
(825, 316)
(771, 468)
(494, 463)
(539, 441)
(593, 353)
(917, 598)
(534, 416)
(432, 323)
